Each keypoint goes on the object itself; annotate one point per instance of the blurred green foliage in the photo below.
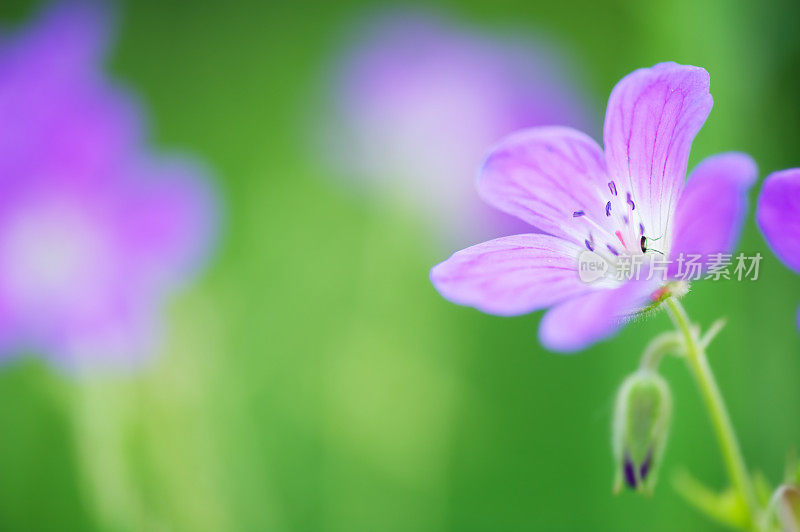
(314, 380)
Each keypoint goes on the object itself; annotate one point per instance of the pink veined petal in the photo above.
(712, 207)
(778, 215)
(511, 275)
(652, 117)
(576, 324)
(543, 175)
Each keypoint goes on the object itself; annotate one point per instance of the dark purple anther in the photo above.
(641, 229)
(578, 214)
(612, 187)
(630, 202)
(612, 250)
(589, 245)
(608, 209)
(629, 470)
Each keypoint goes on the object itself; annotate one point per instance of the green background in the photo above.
(313, 378)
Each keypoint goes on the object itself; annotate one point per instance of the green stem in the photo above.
(658, 348)
(732, 455)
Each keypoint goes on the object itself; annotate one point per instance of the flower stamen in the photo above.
(622, 241)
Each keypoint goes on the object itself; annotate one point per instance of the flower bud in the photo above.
(641, 422)
(786, 506)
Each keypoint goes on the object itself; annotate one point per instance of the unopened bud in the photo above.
(786, 506)
(641, 422)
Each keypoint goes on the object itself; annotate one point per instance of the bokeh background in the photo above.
(313, 379)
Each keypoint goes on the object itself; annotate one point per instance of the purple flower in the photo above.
(94, 231)
(778, 216)
(418, 100)
(625, 202)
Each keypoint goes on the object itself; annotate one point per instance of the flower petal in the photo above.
(712, 207)
(652, 117)
(543, 175)
(778, 215)
(511, 275)
(580, 322)
(169, 219)
(67, 117)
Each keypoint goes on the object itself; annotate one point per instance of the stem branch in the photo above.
(656, 350)
(723, 428)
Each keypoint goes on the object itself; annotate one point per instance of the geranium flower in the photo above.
(418, 98)
(627, 201)
(94, 231)
(778, 216)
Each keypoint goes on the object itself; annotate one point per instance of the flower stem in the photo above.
(732, 455)
(656, 350)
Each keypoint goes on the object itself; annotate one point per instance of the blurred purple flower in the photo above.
(94, 231)
(778, 216)
(616, 204)
(419, 99)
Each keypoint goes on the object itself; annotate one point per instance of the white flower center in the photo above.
(619, 232)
